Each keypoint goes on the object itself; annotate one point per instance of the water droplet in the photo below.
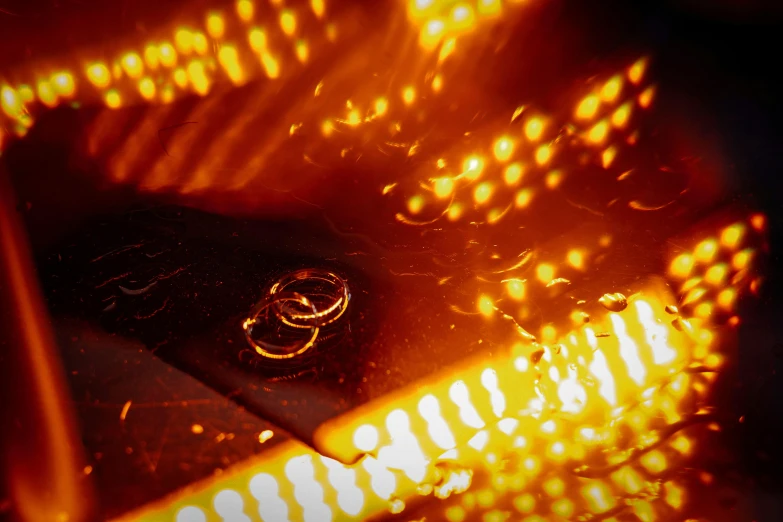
(424, 489)
(671, 309)
(614, 302)
(558, 281)
(603, 334)
(396, 505)
(454, 480)
(678, 324)
(535, 357)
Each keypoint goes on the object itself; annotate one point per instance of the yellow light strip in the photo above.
(517, 163)
(524, 407)
(717, 269)
(160, 70)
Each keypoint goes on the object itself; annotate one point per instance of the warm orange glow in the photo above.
(543, 154)
(181, 78)
(302, 51)
(681, 266)
(353, 118)
(113, 99)
(646, 97)
(607, 157)
(462, 17)
(716, 274)
(534, 128)
(229, 60)
(513, 174)
(588, 107)
(611, 89)
(732, 236)
(11, 102)
(443, 187)
(63, 84)
(26, 93)
(553, 179)
(654, 462)
(200, 44)
(545, 273)
(454, 212)
(151, 57)
(473, 167)
(365, 438)
(271, 67)
(215, 25)
(482, 193)
(198, 77)
(167, 55)
(523, 198)
(46, 93)
(741, 259)
(245, 10)
(415, 204)
(167, 95)
(408, 95)
(257, 39)
(598, 132)
(636, 71)
(503, 149)
(576, 259)
(183, 39)
(758, 222)
(515, 289)
(132, 65)
(705, 251)
(455, 514)
(621, 116)
(318, 7)
(593, 390)
(486, 306)
(489, 7)
(598, 497)
(147, 88)
(288, 22)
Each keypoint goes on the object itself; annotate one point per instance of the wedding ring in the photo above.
(322, 287)
(260, 317)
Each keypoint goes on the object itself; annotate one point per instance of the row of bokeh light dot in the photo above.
(156, 71)
(441, 21)
(504, 147)
(142, 68)
(719, 268)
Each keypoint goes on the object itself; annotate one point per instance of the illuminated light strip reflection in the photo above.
(157, 58)
(153, 65)
(493, 187)
(350, 497)
(307, 491)
(717, 269)
(373, 486)
(628, 361)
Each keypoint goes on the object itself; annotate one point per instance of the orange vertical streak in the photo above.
(43, 461)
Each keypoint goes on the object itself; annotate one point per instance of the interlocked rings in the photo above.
(307, 299)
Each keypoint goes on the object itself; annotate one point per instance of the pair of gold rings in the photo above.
(307, 299)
